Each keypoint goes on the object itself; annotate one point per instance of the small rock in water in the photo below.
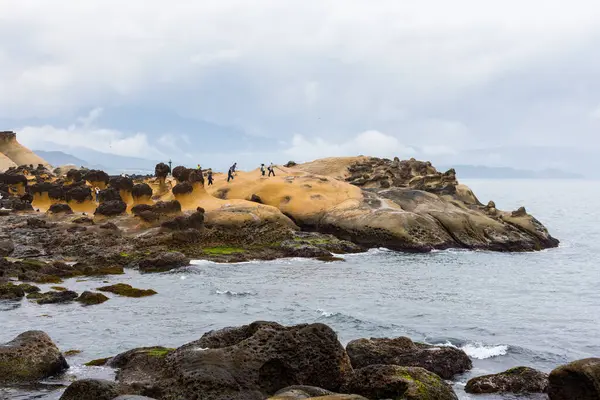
(515, 380)
(90, 298)
(123, 289)
(55, 297)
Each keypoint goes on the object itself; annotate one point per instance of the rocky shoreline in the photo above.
(266, 360)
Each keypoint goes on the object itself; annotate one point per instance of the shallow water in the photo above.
(505, 310)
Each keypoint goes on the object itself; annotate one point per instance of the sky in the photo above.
(510, 83)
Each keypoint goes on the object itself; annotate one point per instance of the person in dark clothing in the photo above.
(271, 169)
(230, 174)
(233, 167)
(262, 169)
(209, 175)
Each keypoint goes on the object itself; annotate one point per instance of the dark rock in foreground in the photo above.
(31, 356)
(515, 380)
(443, 361)
(579, 380)
(10, 291)
(111, 208)
(56, 297)
(91, 389)
(394, 382)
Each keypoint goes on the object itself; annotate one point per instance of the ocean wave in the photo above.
(478, 350)
(234, 294)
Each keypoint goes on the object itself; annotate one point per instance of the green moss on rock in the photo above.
(123, 289)
(59, 288)
(90, 298)
(100, 362)
(223, 250)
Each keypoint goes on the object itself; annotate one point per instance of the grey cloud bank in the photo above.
(463, 82)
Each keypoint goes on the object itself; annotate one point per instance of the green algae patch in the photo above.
(48, 279)
(123, 289)
(91, 298)
(59, 288)
(112, 270)
(27, 288)
(160, 352)
(223, 251)
(71, 353)
(97, 363)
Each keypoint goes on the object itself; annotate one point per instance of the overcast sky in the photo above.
(462, 81)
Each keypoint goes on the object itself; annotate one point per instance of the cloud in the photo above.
(84, 134)
(372, 143)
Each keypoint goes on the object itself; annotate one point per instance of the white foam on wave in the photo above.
(479, 350)
(232, 293)
(326, 314)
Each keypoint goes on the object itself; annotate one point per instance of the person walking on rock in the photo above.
(262, 169)
(230, 173)
(271, 169)
(209, 175)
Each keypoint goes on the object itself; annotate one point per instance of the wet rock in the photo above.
(141, 369)
(31, 356)
(91, 389)
(516, 380)
(121, 183)
(110, 194)
(395, 382)
(111, 208)
(164, 262)
(162, 170)
(91, 298)
(27, 288)
(10, 291)
(60, 208)
(83, 220)
(274, 357)
(123, 289)
(301, 392)
(109, 226)
(443, 361)
(186, 237)
(6, 247)
(578, 380)
(56, 297)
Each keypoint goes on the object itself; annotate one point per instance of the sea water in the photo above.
(504, 310)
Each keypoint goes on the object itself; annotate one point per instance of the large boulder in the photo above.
(164, 262)
(31, 356)
(91, 389)
(111, 208)
(141, 190)
(121, 183)
(516, 380)
(578, 380)
(79, 194)
(250, 362)
(110, 194)
(443, 361)
(397, 383)
(96, 176)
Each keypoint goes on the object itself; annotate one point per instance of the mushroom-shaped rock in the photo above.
(31, 356)
(121, 183)
(110, 194)
(91, 389)
(578, 380)
(516, 380)
(183, 188)
(96, 176)
(164, 262)
(13, 179)
(181, 173)
(74, 175)
(141, 190)
(196, 176)
(79, 194)
(394, 382)
(444, 361)
(55, 191)
(111, 208)
(162, 170)
(60, 208)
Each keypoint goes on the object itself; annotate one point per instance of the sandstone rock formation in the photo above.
(516, 380)
(19, 155)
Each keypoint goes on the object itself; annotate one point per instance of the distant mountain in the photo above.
(483, 172)
(110, 163)
(58, 158)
